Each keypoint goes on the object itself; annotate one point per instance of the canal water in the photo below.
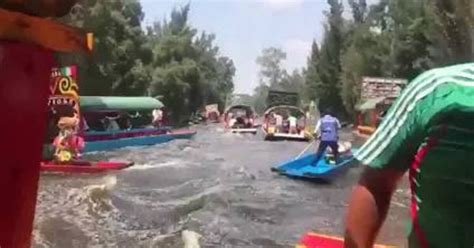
(217, 186)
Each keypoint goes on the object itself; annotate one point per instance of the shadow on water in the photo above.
(218, 185)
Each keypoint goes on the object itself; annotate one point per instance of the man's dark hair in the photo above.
(328, 111)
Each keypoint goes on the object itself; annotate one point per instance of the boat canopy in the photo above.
(284, 107)
(118, 103)
(247, 108)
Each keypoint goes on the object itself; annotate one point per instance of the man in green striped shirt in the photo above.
(429, 131)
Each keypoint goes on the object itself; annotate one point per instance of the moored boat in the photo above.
(240, 119)
(84, 167)
(277, 124)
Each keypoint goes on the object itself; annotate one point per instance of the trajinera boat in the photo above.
(240, 119)
(285, 122)
(316, 240)
(84, 167)
(325, 170)
(117, 122)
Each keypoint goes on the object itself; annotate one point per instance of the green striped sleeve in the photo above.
(399, 136)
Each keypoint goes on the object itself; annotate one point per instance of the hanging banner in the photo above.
(64, 115)
(381, 87)
(64, 89)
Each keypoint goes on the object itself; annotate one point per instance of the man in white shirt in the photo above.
(157, 117)
(292, 121)
(279, 122)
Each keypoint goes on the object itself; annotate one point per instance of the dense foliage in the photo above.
(171, 59)
(392, 38)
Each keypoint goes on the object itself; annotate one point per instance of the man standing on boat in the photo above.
(157, 117)
(278, 122)
(429, 131)
(328, 127)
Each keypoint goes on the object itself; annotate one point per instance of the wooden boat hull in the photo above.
(84, 168)
(315, 240)
(302, 168)
(366, 130)
(105, 145)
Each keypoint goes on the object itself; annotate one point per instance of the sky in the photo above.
(244, 27)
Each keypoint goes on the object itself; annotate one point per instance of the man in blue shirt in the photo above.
(328, 127)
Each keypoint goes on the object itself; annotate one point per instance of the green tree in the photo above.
(312, 79)
(187, 69)
(270, 61)
(328, 65)
(121, 55)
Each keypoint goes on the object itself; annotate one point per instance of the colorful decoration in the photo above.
(64, 103)
(64, 89)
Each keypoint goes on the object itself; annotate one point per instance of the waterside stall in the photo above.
(377, 95)
(370, 114)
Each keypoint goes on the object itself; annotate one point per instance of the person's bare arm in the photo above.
(369, 205)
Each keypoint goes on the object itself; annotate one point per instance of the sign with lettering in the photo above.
(63, 88)
(381, 87)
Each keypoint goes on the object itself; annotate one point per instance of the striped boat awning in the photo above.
(370, 104)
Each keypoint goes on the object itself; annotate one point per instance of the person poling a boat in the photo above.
(429, 131)
(328, 127)
(68, 146)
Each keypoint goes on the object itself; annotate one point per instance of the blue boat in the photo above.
(139, 138)
(302, 168)
(96, 107)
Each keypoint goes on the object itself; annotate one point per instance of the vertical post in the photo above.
(24, 79)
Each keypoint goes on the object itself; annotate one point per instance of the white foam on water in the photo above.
(188, 149)
(153, 166)
(190, 239)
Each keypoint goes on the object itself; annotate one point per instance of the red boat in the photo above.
(84, 167)
(316, 240)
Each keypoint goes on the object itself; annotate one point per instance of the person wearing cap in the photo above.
(328, 127)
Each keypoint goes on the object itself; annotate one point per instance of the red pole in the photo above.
(24, 78)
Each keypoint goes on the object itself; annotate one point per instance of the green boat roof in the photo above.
(118, 103)
(370, 104)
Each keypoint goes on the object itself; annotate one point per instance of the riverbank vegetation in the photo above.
(392, 38)
(170, 58)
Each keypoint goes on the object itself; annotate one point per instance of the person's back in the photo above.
(329, 127)
(429, 131)
(278, 120)
(292, 122)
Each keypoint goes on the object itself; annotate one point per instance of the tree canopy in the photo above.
(169, 59)
(392, 38)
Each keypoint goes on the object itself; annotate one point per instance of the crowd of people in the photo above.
(240, 119)
(285, 122)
